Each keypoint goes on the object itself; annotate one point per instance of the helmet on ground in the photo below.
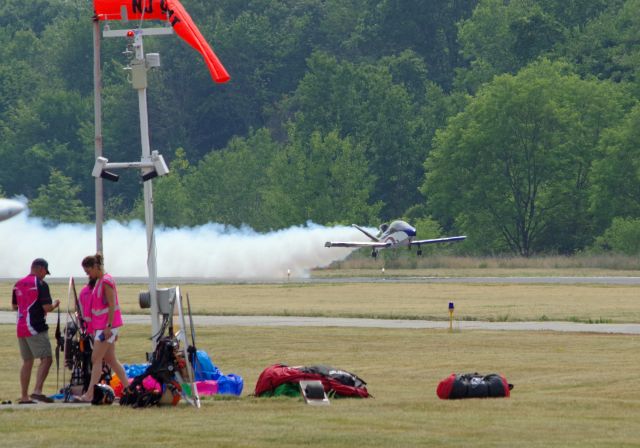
(103, 394)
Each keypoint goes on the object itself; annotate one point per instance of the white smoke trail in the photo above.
(211, 251)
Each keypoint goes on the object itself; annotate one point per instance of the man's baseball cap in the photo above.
(41, 262)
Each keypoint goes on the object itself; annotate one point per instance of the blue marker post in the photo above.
(451, 308)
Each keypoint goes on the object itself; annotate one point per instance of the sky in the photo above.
(211, 251)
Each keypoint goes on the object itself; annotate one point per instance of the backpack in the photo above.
(163, 367)
(473, 385)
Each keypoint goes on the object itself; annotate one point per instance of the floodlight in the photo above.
(159, 164)
(99, 170)
(159, 167)
(100, 164)
(113, 177)
(148, 175)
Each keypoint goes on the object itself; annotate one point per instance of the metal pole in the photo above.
(140, 84)
(148, 161)
(97, 112)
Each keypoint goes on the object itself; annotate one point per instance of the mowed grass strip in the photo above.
(490, 302)
(571, 390)
(485, 302)
(437, 263)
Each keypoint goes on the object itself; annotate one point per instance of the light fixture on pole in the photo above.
(152, 166)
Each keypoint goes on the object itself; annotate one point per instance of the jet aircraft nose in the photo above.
(9, 208)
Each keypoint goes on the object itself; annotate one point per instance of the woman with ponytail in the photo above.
(106, 321)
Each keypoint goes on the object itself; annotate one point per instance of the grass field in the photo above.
(571, 390)
(491, 302)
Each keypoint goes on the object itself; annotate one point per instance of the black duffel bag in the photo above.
(473, 385)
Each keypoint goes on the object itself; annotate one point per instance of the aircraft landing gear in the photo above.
(374, 253)
(419, 251)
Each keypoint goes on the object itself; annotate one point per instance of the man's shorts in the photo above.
(37, 346)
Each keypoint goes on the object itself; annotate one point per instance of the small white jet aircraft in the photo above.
(393, 235)
(10, 208)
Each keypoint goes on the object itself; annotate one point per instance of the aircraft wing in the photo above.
(448, 239)
(356, 244)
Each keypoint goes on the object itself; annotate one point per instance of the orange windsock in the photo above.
(174, 12)
(189, 32)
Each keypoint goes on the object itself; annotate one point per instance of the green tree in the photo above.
(226, 186)
(22, 78)
(513, 170)
(623, 236)
(576, 14)
(68, 59)
(365, 103)
(428, 28)
(616, 175)
(43, 134)
(607, 46)
(323, 179)
(34, 14)
(58, 201)
(502, 37)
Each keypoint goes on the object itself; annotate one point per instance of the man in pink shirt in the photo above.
(32, 300)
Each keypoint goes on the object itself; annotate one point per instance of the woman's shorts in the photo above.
(100, 336)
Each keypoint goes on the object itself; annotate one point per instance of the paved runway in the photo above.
(7, 317)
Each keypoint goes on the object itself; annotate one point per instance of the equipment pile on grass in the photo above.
(280, 379)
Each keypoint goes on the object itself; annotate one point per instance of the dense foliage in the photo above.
(514, 122)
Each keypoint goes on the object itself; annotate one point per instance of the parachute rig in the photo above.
(76, 342)
(170, 373)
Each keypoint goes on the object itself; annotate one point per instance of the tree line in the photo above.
(512, 122)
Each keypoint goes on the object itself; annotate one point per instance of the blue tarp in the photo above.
(204, 368)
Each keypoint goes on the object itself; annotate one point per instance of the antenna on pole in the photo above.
(97, 112)
(151, 164)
